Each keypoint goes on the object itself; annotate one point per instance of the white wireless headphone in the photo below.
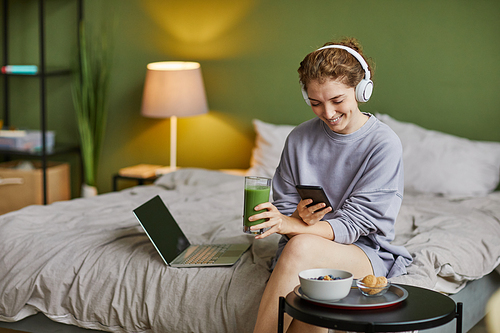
(364, 88)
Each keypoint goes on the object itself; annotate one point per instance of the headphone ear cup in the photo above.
(364, 90)
(304, 94)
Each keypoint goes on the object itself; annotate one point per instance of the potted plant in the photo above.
(90, 91)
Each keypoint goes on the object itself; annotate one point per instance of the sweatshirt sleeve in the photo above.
(285, 196)
(374, 203)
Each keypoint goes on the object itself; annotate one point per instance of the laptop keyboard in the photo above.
(206, 254)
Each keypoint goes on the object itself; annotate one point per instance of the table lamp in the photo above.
(173, 89)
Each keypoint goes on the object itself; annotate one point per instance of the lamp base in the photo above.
(165, 170)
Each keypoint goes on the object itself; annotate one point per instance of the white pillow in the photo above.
(440, 163)
(269, 144)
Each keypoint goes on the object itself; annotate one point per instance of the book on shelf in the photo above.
(20, 69)
(12, 133)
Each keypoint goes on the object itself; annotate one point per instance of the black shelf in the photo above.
(51, 72)
(59, 149)
(43, 74)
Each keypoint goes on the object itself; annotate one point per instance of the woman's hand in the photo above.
(291, 225)
(313, 214)
(275, 221)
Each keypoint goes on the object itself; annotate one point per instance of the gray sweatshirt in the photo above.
(362, 175)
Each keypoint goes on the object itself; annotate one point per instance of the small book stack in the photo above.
(26, 140)
(20, 69)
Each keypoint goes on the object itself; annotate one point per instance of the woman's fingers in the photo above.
(268, 232)
(312, 214)
(275, 222)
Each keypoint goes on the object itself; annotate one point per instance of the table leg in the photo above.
(281, 314)
(459, 316)
(115, 181)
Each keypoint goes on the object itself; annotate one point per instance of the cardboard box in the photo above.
(20, 188)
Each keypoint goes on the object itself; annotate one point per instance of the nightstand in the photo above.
(141, 173)
(148, 173)
(140, 180)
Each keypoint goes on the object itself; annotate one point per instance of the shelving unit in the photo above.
(42, 75)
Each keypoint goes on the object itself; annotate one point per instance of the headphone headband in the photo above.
(356, 55)
(364, 88)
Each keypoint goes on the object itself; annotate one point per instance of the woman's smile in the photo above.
(335, 120)
(335, 104)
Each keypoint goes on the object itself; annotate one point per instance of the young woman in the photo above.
(357, 160)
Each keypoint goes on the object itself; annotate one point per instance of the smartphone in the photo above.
(314, 192)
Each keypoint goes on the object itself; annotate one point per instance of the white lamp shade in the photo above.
(173, 89)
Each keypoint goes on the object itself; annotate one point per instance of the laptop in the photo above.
(174, 247)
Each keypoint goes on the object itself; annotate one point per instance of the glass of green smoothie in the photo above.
(256, 192)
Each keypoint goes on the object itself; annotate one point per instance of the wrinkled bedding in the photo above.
(87, 262)
(452, 241)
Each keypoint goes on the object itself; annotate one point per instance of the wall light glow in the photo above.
(199, 29)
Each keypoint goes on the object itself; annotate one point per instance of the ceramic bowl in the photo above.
(325, 290)
(371, 291)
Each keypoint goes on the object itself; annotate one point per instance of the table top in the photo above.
(422, 309)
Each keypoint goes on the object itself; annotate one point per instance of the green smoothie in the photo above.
(254, 196)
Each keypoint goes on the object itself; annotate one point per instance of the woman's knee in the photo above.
(298, 248)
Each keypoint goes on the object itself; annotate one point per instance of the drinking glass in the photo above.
(257, 191)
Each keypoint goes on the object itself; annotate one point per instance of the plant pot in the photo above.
(88, 191)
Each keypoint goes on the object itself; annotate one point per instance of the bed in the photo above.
(86, 263)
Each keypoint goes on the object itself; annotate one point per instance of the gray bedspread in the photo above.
(452, 241)
(87, 262)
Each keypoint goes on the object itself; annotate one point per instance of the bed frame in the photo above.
(474, 297)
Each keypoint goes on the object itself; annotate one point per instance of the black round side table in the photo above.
(422, 309)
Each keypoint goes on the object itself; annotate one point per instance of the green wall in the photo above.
(437, 65)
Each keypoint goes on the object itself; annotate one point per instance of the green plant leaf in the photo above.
(89, 90)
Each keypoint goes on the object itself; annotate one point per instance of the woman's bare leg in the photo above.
(300, 253)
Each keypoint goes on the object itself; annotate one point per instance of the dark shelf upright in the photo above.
(43, 91)
(5, 61)
(42, 74)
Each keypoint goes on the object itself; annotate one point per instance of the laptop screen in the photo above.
(161, 228)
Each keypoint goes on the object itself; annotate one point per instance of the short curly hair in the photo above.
(333, 63)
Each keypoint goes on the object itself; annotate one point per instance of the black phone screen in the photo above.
(314, 192)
